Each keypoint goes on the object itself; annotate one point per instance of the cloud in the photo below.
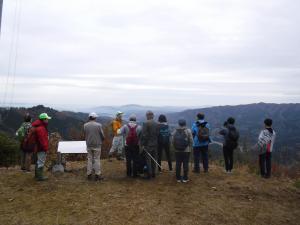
(153, 52)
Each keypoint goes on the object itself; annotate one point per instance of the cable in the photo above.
(10, 56)
(13, 55)
(16, 53)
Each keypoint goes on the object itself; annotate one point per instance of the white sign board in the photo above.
(74, 147)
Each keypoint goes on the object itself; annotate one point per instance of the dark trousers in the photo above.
(166, 148)
(151, 165)
(203, 152)
(182, 159)
(228, 158)
(132, 158)
(265, 164)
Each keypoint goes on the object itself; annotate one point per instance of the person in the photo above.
(132, 133)
(21, 133)
(40, 128)
(265, 145)
(163, 141)
(149, 143)
(118, 141)
(182, 140)
(201, 137)
(231, 137)
(94, 137)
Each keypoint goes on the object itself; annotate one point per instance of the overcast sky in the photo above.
(181, 53)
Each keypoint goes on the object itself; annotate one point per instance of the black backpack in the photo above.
(164, 134)
(232, 137)
(180, 140)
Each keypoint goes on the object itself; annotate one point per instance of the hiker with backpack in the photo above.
(94, 138)
(201, 137)
(182, 140)
(26, 154)
(132, 133)
(37, 139)
(163, 141)
(265, 146)
(149, 143)
(118, 141)
(231, 138)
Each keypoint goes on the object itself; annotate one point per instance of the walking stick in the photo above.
(153, 159)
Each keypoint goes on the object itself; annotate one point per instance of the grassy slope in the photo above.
(215, 198)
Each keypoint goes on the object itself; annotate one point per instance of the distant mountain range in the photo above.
(249, 119)
(138, 110)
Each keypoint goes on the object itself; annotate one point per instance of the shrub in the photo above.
(9, 151)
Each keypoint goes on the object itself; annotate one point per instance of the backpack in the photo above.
(23, 131)
(132, 138)
(164, 134)
(233, 134)
(180, 140)
(29, 143)
(203, 133)
(233, 137)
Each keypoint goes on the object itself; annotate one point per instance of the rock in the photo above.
(58, 168)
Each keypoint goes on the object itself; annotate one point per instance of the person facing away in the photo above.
(149, 143)
(201, 140)
(117, 142)
(94, 138)
(132, 134)
(26, 154)
(182, 140)
(41, 130)
(231, 137)
(265, 145)
(163, 141)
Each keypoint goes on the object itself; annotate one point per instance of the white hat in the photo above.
(93, 115)
(119, 113)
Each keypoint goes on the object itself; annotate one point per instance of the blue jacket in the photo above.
(195, 129)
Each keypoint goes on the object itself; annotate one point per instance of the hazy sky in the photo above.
(185, 53)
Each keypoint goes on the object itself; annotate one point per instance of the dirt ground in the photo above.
(213, 198)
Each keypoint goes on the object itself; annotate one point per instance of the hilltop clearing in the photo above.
(214, 198)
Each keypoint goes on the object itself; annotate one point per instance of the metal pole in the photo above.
(153, 159)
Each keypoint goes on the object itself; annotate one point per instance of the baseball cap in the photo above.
(93, 115)
(44, 116)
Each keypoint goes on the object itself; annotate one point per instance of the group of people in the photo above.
(144, 145)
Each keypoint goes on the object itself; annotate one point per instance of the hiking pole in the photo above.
(153, 159)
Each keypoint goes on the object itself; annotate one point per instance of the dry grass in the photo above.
(214, 198)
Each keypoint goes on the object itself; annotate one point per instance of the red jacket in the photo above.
(42, 135)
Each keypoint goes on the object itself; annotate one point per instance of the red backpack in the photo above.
(132, 138)
(29, 143)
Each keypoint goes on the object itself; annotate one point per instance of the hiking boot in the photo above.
(90, 177)
(98, 178)
(40, 174)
